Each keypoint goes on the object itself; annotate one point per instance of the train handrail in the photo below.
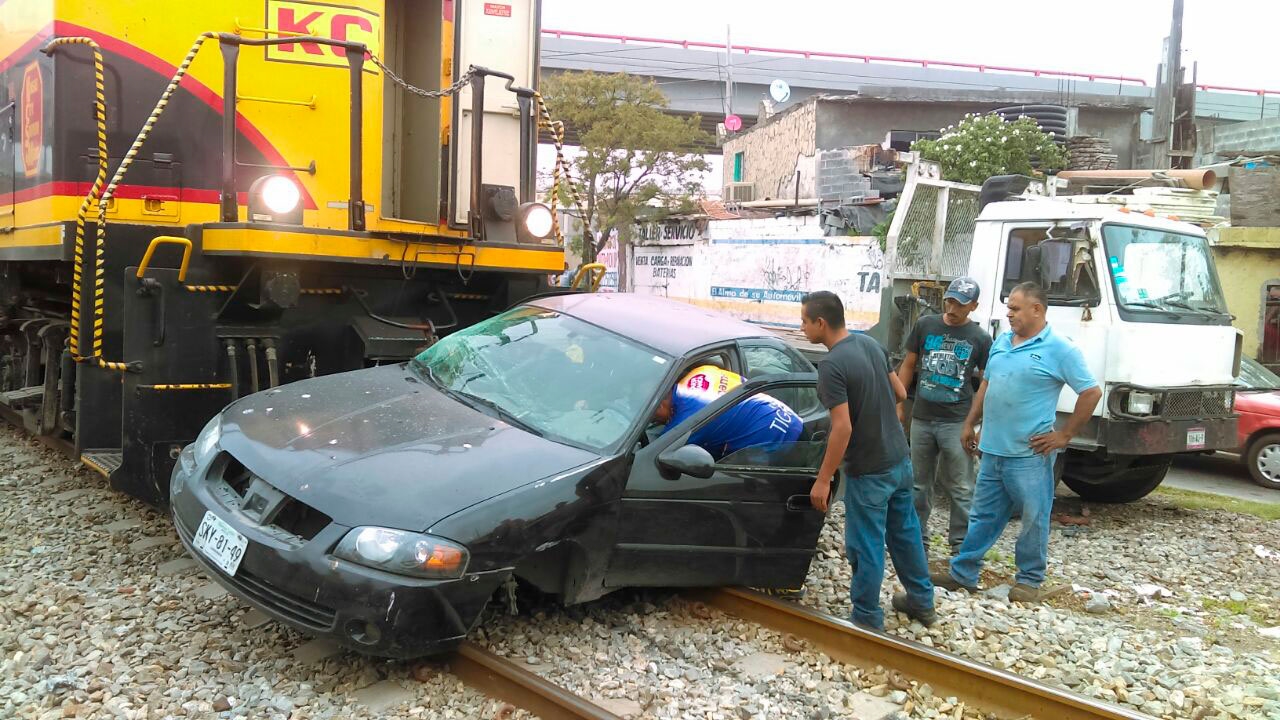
(159, 240)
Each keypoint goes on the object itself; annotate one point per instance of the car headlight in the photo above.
(535, 221)
(404, 553)
(1140, 403)
(275, 198)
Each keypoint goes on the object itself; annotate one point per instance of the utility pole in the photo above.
(728, 77)
(1168, 81)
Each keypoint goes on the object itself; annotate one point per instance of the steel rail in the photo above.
(503, 679)
(981, 686)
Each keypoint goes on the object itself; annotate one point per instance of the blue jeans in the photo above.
(879, 511)
(937, 453)
(1006, 483)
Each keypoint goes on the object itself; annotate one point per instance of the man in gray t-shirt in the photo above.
(856, 384)
(946, 349)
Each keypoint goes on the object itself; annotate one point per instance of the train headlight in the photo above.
(535, 221)
(275, 198)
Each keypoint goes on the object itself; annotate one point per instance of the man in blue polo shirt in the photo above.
(1025, 373)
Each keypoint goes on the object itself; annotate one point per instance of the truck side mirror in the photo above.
(691, 460)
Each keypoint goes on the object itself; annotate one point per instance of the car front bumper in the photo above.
(302, 585)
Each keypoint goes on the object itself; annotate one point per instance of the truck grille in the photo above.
(1191, 404)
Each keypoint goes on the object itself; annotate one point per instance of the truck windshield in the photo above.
(547, 373)
(1158, 271)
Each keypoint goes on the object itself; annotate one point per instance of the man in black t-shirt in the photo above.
(946, 349)
(857, 385)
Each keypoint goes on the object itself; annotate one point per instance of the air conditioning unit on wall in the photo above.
(739, 192)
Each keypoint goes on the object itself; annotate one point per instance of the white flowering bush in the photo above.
(982, 146)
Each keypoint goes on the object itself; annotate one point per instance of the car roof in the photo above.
(672, 327)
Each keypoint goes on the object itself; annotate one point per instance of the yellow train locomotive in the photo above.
(198, 201)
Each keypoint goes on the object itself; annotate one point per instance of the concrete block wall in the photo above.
(1258, 136)
(774, 151)
(840, 174)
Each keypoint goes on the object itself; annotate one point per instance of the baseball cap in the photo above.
(963, 290)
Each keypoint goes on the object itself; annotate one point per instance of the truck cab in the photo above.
(1138, 294)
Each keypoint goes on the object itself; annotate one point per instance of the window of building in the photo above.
(902, 139)
(739, 163)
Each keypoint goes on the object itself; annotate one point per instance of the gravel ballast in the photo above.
(103, 616)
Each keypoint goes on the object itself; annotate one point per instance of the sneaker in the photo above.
(925, 616)
(946, 582)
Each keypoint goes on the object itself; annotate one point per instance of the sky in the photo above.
(1229, 39)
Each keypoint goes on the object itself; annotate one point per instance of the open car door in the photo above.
(687, 519)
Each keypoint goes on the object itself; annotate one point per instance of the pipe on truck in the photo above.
(1194, 179)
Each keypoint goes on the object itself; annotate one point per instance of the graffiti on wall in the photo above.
(763, 280)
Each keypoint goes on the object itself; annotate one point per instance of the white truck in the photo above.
(1139, 294)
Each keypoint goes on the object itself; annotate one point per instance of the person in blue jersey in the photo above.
(758, 421)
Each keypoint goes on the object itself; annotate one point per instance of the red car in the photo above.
(1260, 423)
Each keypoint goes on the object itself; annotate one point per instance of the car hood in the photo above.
(1258, 403)
(383, 447)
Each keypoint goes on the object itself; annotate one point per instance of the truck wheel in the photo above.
(1115, 479)
(1263, 461)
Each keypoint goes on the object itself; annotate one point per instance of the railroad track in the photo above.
(993, 691)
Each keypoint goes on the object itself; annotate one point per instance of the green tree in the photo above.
(982, 146)
(633, 160)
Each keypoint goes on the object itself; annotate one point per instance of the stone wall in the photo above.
(774, 151)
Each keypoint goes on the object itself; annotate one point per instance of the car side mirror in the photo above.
(690, 460)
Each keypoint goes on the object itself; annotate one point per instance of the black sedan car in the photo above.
(383, 507)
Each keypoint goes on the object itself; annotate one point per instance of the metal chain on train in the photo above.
(453, 89)
(77, 270)
(561, 180)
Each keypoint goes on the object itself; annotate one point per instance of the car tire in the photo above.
(1263, 460)
(1115, 479)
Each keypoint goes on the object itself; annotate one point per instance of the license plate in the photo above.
(220, 543)
(1195, 439)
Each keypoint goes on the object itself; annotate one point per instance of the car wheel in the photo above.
(1263, 461)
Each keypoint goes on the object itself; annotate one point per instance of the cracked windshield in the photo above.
(548, 373)
(1160, 270)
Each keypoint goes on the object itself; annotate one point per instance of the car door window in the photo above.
(757, 450)
(770, 360)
